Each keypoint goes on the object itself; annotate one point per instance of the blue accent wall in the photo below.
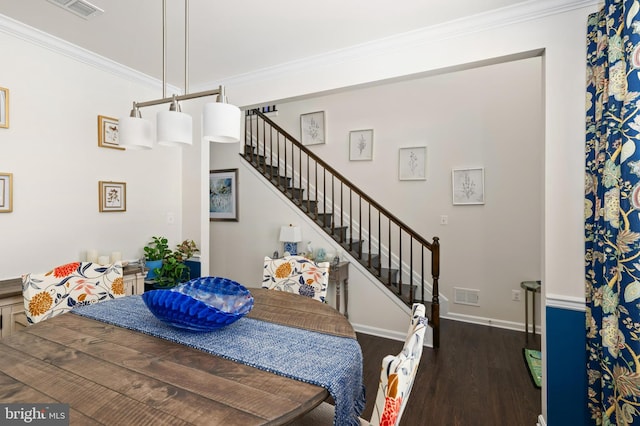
(566, 367)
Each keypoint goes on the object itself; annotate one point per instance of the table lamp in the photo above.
(289, 236)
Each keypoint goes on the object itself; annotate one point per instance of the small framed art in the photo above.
(4, 108)
(223, 195)
(108, 132)
(312, 128)
(361, 145)
(6, 192)
(412, 163)
(468, 186)
(113, 196)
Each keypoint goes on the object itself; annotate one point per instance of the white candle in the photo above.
(103, 260)
(92, 255)
(116, 256)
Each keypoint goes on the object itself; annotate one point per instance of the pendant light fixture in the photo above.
(218, 121)
(221, 121)
(134, 132)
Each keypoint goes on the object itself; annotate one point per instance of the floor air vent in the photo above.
(467, 296)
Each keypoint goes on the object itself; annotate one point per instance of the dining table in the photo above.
(113, 373)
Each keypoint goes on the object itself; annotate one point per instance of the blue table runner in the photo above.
(332, 362)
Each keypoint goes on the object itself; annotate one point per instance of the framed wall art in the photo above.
(468, 186)
(223, 195)
(112, 196)
(312, 128)
(6, 192)
(412, 163)
(108, 132)
(4, 108)
(361, 145)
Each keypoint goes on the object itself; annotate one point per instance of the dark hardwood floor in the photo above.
(476, 377)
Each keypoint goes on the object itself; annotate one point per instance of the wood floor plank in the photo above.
(476, 377)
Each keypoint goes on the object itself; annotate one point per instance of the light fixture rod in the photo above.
(186, 46)
(185, 97)
(164, 48)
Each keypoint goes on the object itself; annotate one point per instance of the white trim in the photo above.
(491, 322)
(510, 15)
(40, 38)
(565, 302)
(393, 335)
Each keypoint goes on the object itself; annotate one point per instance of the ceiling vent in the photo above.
(81, 8)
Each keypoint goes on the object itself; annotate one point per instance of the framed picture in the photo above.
(6, 192)
(223, 195)
(4, 108)
(108, 132)
(468, 186)
(113, 196)
(361, 145)
(412, 163)
(312, 128)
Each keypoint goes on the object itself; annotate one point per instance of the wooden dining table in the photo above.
(115, 376)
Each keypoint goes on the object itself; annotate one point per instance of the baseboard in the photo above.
(392, 335)
(491, 322)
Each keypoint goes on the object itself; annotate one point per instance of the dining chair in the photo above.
(67, 286)
(396, 380)
(297, 274)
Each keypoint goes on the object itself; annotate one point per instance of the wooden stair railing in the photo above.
(389, 249)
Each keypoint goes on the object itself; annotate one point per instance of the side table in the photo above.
(339, 275)
(533, 287)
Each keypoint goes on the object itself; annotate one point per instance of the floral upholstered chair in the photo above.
(297, 274)
(396, 380)
(67, 286)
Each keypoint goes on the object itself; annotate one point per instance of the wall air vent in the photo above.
(466, 296)
(81, 8)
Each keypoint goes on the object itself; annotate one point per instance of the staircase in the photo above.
(390, 251)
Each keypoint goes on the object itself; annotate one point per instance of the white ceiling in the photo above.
(231, 38)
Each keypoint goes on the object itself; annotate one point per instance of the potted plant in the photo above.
(173, 270)
(154, 253)
(187, 249)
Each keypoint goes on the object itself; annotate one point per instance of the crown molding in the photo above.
(510, 15)
(40, 38)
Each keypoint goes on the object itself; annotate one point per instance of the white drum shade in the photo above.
(221, 122)
(174, 128)
(135, 133)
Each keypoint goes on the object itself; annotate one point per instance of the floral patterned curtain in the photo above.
(612, 214)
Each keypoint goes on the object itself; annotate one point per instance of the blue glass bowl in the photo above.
(202, 304)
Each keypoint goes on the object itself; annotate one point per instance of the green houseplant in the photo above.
(173, 270)
(154, 253)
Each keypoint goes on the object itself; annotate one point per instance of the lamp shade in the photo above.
(174, 128)
(221, 122)
(290, 233)
(135, 133)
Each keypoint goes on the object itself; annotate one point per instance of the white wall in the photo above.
(52, 150)
(464, 121)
